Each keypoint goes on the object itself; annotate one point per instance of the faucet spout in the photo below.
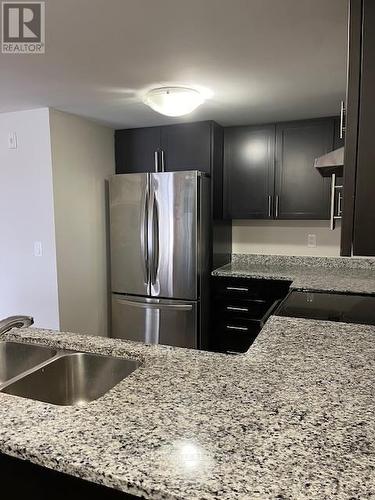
(15, 322)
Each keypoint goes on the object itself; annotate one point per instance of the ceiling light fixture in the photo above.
(173, 101)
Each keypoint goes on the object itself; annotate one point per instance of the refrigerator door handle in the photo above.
(144, 236)
(150, 233)
(155, 240)
(149, 305)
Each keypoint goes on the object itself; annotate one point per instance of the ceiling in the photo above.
(260, 60)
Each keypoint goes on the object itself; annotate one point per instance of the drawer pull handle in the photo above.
(241, 328)
(237, 288)
(232, 308)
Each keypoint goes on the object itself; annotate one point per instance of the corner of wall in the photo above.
(82, 161)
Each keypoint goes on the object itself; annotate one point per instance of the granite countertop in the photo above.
(294, 418)
(350, 275)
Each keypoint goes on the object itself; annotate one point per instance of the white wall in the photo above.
(83, 159)
(284, 238)
(28, 284)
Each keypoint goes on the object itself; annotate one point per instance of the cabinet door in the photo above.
(187, 146)
(364, 206)
(300, 190)
(135, 149)
(249, 172)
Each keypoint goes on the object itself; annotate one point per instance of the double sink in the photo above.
(59, 377)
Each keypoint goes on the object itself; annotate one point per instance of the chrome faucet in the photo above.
(15, 322)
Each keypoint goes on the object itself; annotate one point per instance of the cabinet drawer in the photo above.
(239, 326)
(239, 344)
(237, 336)
(250, 308)
(254, 289)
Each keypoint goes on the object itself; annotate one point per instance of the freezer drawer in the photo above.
(154, 321)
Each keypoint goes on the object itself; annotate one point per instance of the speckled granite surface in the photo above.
(306, 273)
(366, 263)
(294, 418)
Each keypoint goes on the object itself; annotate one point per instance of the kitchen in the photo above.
(207, 239)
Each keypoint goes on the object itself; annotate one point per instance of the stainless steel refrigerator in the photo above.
(159, 256)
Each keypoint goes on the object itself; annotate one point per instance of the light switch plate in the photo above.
(311, 240)
(38, 249)
(12, 140)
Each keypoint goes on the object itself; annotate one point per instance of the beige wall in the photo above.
(83, 159)
(28, 283)
(284, 238)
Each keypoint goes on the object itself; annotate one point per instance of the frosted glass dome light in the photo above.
(173, 101)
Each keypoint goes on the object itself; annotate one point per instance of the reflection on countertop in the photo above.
(292, 418)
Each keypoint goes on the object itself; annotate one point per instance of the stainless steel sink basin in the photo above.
(17, 358)
(72, 379)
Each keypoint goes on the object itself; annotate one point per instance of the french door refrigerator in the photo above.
(159, 256)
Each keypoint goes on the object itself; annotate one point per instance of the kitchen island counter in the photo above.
(292, 418)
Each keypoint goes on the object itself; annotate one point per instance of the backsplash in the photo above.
(283, 237)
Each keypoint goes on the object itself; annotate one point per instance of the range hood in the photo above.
(331, 163)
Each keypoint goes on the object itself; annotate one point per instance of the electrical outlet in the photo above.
(12, 140)
(311, 240)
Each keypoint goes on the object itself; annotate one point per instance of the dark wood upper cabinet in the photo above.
(351, 124)
(300, 190)
(364, 205)
(249, 172)
(358, 221)
(269, 170)
(187, 146)
(135, 149)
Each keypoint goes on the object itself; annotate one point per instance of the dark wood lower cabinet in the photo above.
(22, 479)
(240, 307)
